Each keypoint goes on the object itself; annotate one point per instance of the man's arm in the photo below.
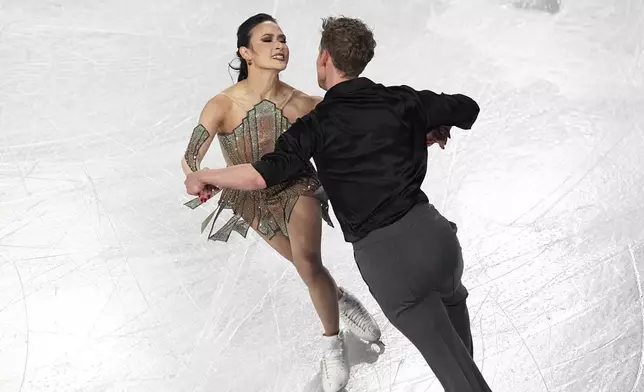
(243, 177)
(455, 110)
(441, 110)
(293, 151)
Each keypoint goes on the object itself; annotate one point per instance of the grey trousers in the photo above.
(413, 268)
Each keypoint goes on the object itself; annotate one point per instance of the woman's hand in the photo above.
(208, 192)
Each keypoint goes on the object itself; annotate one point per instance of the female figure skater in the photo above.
(248, 117)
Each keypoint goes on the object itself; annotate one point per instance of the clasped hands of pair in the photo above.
(196, 187)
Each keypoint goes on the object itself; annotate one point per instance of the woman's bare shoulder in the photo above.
(304, 102)
(236, 91)
(219, 103)
(213, 114)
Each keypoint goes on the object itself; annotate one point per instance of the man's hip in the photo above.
(407, 259)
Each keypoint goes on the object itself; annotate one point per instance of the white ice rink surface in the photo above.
(107, 285)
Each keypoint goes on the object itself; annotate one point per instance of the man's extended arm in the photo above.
(441, 110)
(455, 110)
(293, 151)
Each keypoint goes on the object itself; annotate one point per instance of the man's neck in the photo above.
(334, 80)
(264, 84)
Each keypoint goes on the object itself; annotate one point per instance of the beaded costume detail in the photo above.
(270, 207)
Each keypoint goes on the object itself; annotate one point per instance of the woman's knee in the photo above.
(309, 267)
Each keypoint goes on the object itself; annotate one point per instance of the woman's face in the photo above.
(268, 49)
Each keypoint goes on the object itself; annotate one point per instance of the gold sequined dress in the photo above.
(271, 207)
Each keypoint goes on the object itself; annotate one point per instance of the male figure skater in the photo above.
(369, 142)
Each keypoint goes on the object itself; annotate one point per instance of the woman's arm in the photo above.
(210, 121)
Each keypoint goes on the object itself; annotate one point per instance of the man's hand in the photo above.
(194, 185)
(438, 135)
(208, 191)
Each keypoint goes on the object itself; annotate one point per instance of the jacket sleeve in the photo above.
(293, 152)
(436, 110)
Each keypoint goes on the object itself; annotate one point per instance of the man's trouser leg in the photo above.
(413, 268)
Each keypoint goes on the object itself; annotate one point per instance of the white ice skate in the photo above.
(335, 365)
(357, 319)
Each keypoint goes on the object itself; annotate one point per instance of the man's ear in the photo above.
(324, 57)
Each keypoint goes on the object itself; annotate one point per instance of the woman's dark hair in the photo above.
(243, 39)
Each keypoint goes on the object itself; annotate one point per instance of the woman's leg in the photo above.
(302, 248)
(281, 244)
(305, 235)
(305, 232)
